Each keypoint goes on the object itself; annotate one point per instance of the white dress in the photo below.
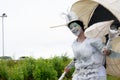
(88, 60)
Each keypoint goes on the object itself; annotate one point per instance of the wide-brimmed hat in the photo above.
(69, 17)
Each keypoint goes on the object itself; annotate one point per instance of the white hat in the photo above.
(71, 16)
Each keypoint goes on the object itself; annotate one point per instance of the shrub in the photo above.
(44, 70)
(3, 70)
(27, 67)
(15, 73)
(40, 69)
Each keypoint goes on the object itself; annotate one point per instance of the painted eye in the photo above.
(75, 25)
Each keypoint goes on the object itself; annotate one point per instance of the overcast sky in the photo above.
(27, 29)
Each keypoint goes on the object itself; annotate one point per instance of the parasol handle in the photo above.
(62, 76)
(58, 26)
(111, 36)
(108, 43)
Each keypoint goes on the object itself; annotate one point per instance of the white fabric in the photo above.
(71, 16)
(101, 71)
(85, 50)
(89, 60)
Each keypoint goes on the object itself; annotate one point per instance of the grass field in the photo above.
(109, 77)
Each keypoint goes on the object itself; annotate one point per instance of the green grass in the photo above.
(109, 77)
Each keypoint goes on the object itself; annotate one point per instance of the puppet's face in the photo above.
(113, 29)
(114, 32)
(75, 28)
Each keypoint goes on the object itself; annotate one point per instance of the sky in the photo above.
(27, 29)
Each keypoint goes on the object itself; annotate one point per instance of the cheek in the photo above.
(76, 33)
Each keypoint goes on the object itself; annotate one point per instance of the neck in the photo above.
(81, 37)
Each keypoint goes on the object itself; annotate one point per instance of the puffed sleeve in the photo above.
(98, 44)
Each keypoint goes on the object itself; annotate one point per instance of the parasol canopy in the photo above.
(92, 11)
(113, 64)
(99, 29)
(116, 44)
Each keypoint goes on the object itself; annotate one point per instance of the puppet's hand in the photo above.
(66, 69)
(106, 51)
